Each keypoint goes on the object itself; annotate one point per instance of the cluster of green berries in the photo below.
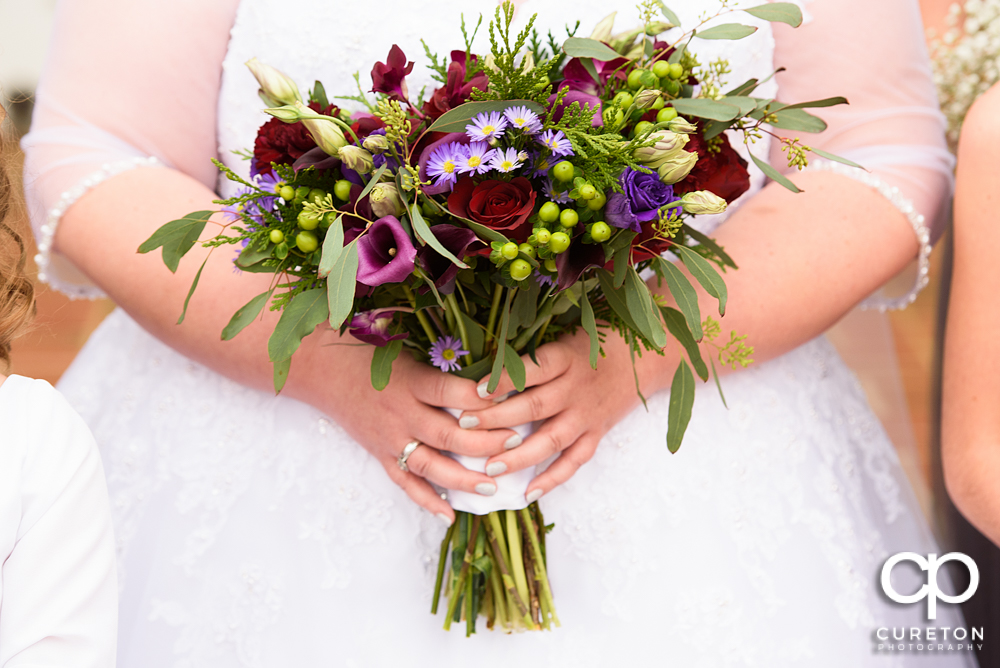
(308, 221)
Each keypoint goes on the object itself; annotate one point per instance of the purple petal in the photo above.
(425, 155)
(376, 266)
(618, 212)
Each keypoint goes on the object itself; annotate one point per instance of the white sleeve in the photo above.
(59, 596)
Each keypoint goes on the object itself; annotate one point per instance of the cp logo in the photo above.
(930, 591)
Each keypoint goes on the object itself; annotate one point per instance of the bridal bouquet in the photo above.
(525, 197)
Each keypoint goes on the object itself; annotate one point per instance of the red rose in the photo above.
(722, 172)
(498, 205)
(284, 143)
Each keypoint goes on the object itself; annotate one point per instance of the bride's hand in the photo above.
(407, 410)
(579, 405)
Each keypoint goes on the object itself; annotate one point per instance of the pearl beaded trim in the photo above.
(917, 221)
(48, 230)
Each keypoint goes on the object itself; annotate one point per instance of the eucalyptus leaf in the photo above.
(476, 370)
(746, 104)
(281, 368)
(177, 237)
(774, 174)
(515, 368)
(815, 104)
(718, 385)
(783, 12)
(797, 120)
(704, 108)
(194, 284)
(620, 241)
(382, 360)
(681, 402)
(333, 246)
(669, 15)
(245, 315)
(373, 181)
(590, 326)
(622, 265)
(744, 88)
(835, 158)
(614, 299)
(705, 274)
(727, 31)
(588, 64)
(424, 232)
(456, 119)
(298, 320)
(685, 296)
(498, 360)
(640, 305)
(584, 47)
(710, 243)
(677, 326)
(477, 336)
(482, 231)
(252, 254)
(341, 285)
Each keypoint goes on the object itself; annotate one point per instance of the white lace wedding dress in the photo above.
(252, 531)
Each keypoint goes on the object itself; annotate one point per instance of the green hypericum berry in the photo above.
(569, 218)
(550, 264)
(342, 190)
(509, 250)
(276, 236)
(308, 221)
(528, 250)
(676, 71)
(600, 232)
(661, 68)
(658, 104)
(642, 126)
(666, 114)
(624, 99)
(286, 193)
(316, 195)
(306, 241)
(635, 79)
(549, 211)
(613, 117)
(301, 193)
(542, 235)
(563, 171)
(559, 242)
(329, 219)
(598, 202)
(672, 86)
(588, 192)
(520, 270)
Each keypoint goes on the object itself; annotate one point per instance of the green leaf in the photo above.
(482, 231)
(298, 320)
(704, 273)
(341, 284)
(319, 95)
(835, 158)
(590, 326)
(783, 12)
(456, 119)
(525, 305)
(477, 337)
(705, 108)
(745, 88)
(476, 370)
(681, 403)
(382, 360)
(685, 296)
(710, 243)
(677, 326)
(373, 181)
(798, 120)
(194, 284)
(774, 174)
(620, 241)
(281, 368)
(588, 64)
(515, 368)
(669, 15)
(424, 232)
(498, 360)
(727, 31)
(584, 47)
(825, 102)
(251, 255)
(614, 299)
(333, 246)
(746, 104)
(177, 237)
(640, 305)
(622, 265)
(245, 315)
(718, 385)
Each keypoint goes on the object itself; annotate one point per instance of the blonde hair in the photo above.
(17, 292)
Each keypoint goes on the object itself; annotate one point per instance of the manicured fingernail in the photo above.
(444, 518)
(495, 469)
(533, 495)
(486, 489)
(502, 398)
(468, 422)
(481, 389)
(512, 442)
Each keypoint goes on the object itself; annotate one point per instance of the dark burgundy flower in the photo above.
(283, 143)
(373, 327)
(640, 202)
(580, 257)
(390, 77)
(385, 253)
(499, 205)
(576, 76)
(721, 171)
(457, 90)
(460, 242)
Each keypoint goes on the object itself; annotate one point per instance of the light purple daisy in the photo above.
(540, 164)
(507, 161)
(559, 197)
(445, 353)
(556, 142)
(524, 119)
(486, 127)
(476, 159)
(444, 162)
(544, 280)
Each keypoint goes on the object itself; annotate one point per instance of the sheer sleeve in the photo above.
(107, 103)
(876, 56)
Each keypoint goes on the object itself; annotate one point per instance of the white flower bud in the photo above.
(681, 124)
(602, 31)
(667, 145)
(356, 158)
(376, 144)
(385, 201)
(647, 98)
(676, 167)
(275, 87)
(703, 201)
(288, 113)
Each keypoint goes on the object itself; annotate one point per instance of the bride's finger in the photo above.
(563, 468)
(538, 403)
(551, 438)
(420, 492)
(444, 471)
(553, 361)
(441, 431)
(444, 390)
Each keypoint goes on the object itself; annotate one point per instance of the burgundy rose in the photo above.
(721, 171)
(457, 90)
(390, 77)
(283, 143)
(498, 205)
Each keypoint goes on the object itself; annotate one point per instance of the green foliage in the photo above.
(437, 65)
(514, 76)
(177, 237)
(681, 402)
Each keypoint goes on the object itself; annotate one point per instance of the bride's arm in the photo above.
(127, 80)
(970, 444)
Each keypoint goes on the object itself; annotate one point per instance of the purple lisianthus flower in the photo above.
(476, 159)
(643, 196)
(506, 161)
(444, 162)
(385, 253)
(556, 142)
(445, 353)
(486, 126)
(459, 241)
(373, 327)
(524, 119)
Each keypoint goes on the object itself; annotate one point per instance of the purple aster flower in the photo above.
(556, 142)
(444, 163)
(524, 119)
(445, 353)
(559, 197)
(373, 327)
(543, 280)
(476, 159)
(486, 127)
(507, 160)
(540, 163)
(385, 253)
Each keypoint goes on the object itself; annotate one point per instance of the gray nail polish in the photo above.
(481, 389)
(512, 442)
(533, 495)
(468, 422)
(495, 469)
(486, 489)
(444, 518)
(502, 398)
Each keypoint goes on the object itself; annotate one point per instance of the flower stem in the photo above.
(441, 566)
(540, 568)
(421, 316)
(494, 309)
(516, 558)
(494, 534)
(463, 332)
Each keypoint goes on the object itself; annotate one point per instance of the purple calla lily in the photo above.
(385, 253)
(580, 257)
(460, 242)
(373, 327)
